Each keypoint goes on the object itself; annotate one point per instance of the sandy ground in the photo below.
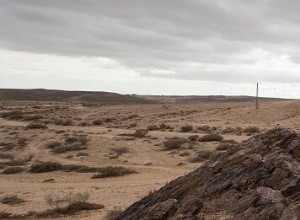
(155, 166)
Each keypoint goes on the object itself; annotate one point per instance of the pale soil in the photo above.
(155, 166)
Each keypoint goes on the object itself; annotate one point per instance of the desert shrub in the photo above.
(68, 204)
(200, 157)
(252, 130)
(183, 154)
(153, 127)
(114, 214)
(22, 142)
(15, 162)
(32, 117)
(63, 122)
(53, 144)
(186, 128)
(224, 146)
(6, 156)
(174, 143)
(97, 122)
(12, 200)
(80, 139)
(83, 124)
(70, 147)
(211, 137)
(232, 130)
(203, 128)
(140, 133)
(193, 137)
(36, 126)
(12, 115)
(7, 146)
(13, 170)
(111, 171)
(43, 167)
(80, 168)
(108, 120)
(82, 154)
(120, 150)
(132, 125)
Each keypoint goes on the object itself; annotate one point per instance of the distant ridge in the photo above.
(62, 95)
(209, 98)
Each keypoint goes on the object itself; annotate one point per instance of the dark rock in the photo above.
(256, 179)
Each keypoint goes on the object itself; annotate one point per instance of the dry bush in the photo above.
(120, 150)
(97, 122)
(82, 154)
(193, 137)
(7, 146)
(140, 133)
(211, 137)
(70, 144)
(36, 126)
(186, 128)
(6, 156)
(153, 127)
(203, 128)
(68, 204)
(13, 170)
(111, 171)
(63, 122)
(252, 130)
(32, 117)
(226, 144)
(200, 157)
(12, 200)
(114, 214)
(70, 147)
(174, 143)
(53, 144)
(43, 167)
(14, 162)
(12, 115)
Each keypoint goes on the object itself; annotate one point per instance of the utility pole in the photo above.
(257, 104)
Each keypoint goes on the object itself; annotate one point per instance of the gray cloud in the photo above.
(218, 36)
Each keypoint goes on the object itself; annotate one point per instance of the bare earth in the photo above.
(146, 155)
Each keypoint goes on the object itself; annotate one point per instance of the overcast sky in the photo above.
(182, 47)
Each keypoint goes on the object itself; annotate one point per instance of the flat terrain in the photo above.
(101, 136)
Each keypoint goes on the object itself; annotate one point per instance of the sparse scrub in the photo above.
(70, 147)
(13, 170)
(211, 137)
(200, 157)
(111, 171)
(113, 214)
(252, 130)
(36, 126)
(193, 137)
(120, 150)
(186, 128)
(12, 200)
(43, 167)
(97, 122)
(174, 143)
(82, 154)
(13, 115)
(68, 205)
(63, 122)
(140, 133)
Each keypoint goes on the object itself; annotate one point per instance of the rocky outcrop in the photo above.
(257, 179)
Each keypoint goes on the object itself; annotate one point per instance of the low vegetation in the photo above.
(174, 143)
(201, 156)
(210, 138)
(111, 171)
(12, 200)
(36, 126)
(186, 128)
(13, 170)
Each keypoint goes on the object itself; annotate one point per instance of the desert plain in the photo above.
(117, 154)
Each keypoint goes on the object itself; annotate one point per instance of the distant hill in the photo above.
(61, 95)
(211, 98)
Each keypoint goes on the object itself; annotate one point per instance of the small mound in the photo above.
(256, 179)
